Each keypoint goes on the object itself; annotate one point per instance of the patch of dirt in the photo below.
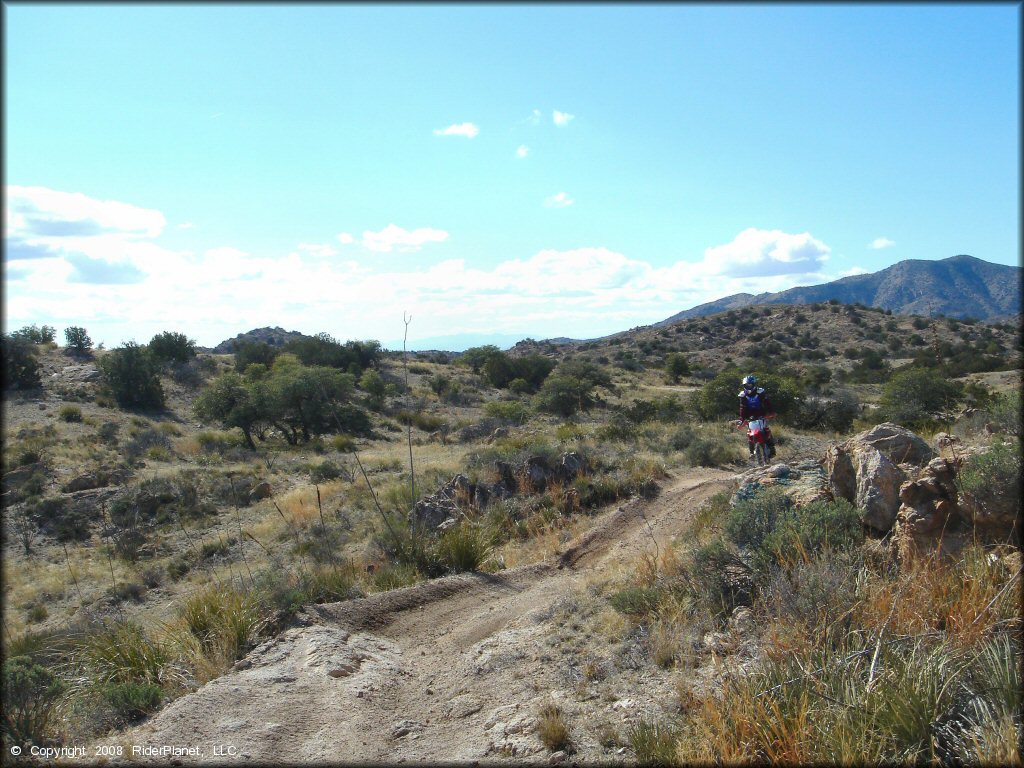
(454, 669)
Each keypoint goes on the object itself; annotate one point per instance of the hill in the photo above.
(275, 337)
(960, 286)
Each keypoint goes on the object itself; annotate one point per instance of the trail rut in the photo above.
(452, 670)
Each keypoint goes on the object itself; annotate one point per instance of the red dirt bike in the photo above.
(757, 435)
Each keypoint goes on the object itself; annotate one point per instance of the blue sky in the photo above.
(513, 170)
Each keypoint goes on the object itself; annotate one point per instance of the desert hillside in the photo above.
(314, 551)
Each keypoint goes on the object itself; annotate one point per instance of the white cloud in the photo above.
(561, 200)
(186, 225)
(319, 250)
(404, 240)
(469, 130)
(522, 151)
(765, 253)
(127, 286)
(881, 242)
(561, 119)
(42, 212)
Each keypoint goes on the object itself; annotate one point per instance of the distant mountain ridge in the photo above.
(960, 286)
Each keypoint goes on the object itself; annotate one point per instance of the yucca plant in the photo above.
(464, 547)
(653, 741)
(125, 653)
(225, 621)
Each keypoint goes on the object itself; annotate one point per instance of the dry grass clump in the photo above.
(552, 728)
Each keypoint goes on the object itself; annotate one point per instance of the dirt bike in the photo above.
(757, 435)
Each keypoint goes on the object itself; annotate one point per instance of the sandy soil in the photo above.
(452, 670)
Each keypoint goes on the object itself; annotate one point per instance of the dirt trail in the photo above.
(450, 670)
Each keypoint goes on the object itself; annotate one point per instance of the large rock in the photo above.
(896, 443)
(929, 516)
(869, 468)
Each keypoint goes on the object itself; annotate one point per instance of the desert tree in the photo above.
(131, 373)
(78, 340)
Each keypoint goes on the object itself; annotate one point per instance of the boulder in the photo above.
(573, 465)
(896, 443)
(869, 468)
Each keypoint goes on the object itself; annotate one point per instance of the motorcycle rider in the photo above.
(754, 404)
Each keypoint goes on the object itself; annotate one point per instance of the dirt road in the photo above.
(450, 670)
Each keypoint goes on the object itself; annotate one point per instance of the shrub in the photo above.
(70, 413)
(637, 602)
(131, 374)
(132, 701)
(107, 432)
(20, 366)
(170, 347)
(916, 396)
(720, 396)
(991, 480)
(508, 411)
(325, 470)
(35, 335)
(30, 693)
(711, 578)
(570, 388)
(676, 366)
(78, 340)
(247, 353)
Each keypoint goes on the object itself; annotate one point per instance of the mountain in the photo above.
(960, 286)
(275, 337)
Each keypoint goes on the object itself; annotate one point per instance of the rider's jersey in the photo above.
(754, 405)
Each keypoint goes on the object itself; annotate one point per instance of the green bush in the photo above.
(125, 654)
(773, 531)
(676, 366)
(30, 693)
(916, 397)
(991, 480)
(20, 366)
(711, 575)
(325, 470)
(35, 335)
(719, 397)
(570, 389)
(509, 411)
(78, 340)
(131, 373)
(132, 701)
(637, 602)
(70, 413)
(171, 347)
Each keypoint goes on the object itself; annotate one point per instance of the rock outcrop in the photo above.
(442, 508)
(869, 468)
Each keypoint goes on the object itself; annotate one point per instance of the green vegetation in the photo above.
(20, 363)
(132, 374)
(78, 340)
